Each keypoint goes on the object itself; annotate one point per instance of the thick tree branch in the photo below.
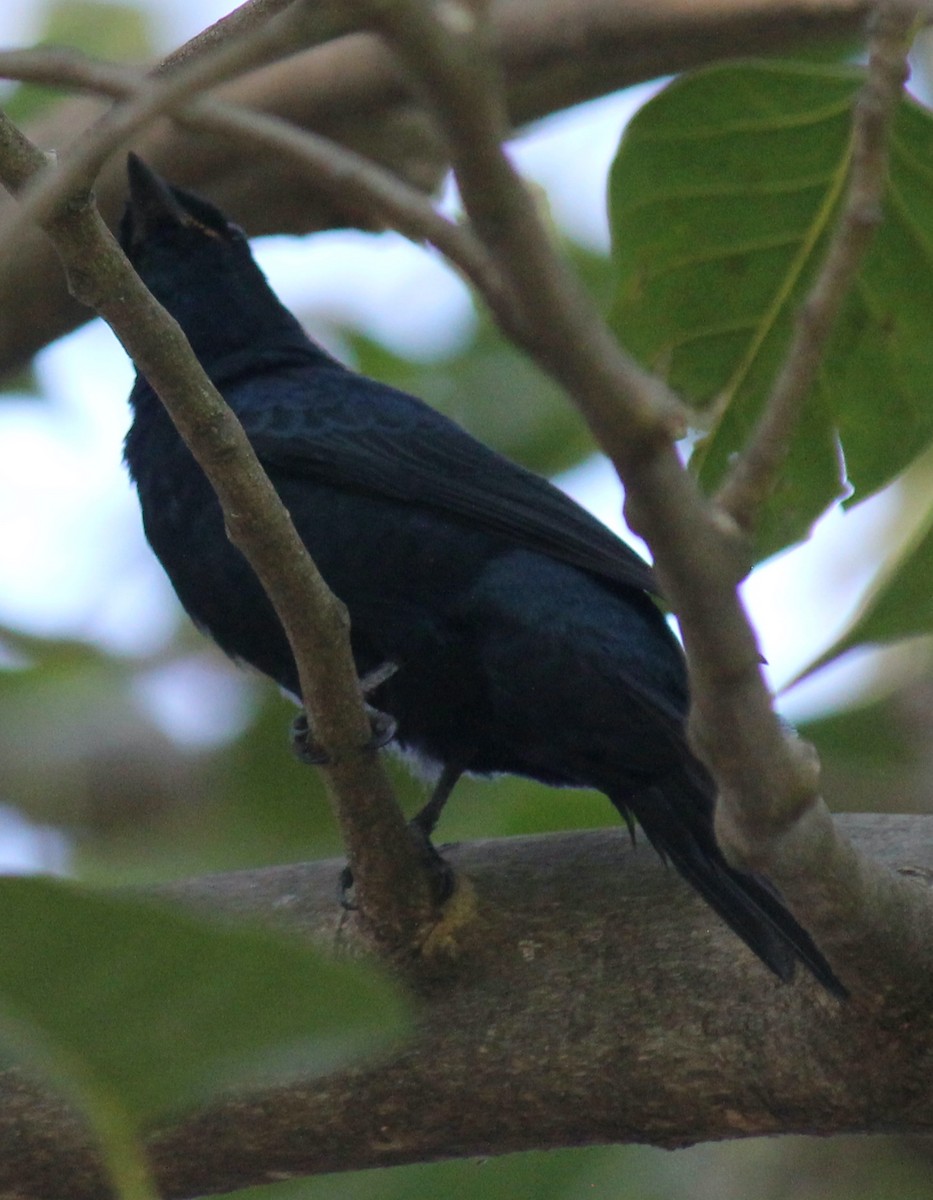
(393, 890)
(595, 1003)
(553, 53)
(755, 473)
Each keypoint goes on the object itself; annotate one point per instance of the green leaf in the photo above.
(139, 1008)
(722, 196)
(898, 603)
(99, 28)
(869, 736)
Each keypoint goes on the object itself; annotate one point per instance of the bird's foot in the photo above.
(424, 822)
(304, 746)
(440, 871)
(382, 726)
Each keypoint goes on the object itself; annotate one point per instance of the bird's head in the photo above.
(199, 266)
(163, 218)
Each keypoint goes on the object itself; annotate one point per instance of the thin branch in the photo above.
(756, 470)
(334, 170)
(394, 894)
(345, 175)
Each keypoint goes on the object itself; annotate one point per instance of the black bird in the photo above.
(523, 631)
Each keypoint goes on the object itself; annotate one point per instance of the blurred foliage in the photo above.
(716, 250)
(871, 735)
(139, 1009)
(142, 808)
(157, 1004)
(598, 1174)
(791, 1168)
(875, 756)
(115, 32)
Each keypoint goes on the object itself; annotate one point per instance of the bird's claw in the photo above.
(382, 726)
(442, 875)
(304, 746)
(344, 888)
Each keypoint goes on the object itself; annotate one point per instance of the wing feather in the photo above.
(377, 440)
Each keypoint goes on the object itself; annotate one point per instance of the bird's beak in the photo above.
(151, 200)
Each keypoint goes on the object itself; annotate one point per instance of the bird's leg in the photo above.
(629, 820)
(382, 725)
(421, 826)
(426, 820)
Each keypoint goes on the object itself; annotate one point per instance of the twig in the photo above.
(393, 891)
(756, 470)
(337, 171)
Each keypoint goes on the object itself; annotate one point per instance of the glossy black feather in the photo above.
(525, 638)
(406, 451)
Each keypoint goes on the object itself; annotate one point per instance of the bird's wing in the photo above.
(352, 432)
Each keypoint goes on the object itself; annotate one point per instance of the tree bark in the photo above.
(554, 53)
(592, 999)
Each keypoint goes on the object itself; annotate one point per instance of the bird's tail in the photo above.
(677, 817)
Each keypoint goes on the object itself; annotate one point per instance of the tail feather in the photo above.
(677, 818)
